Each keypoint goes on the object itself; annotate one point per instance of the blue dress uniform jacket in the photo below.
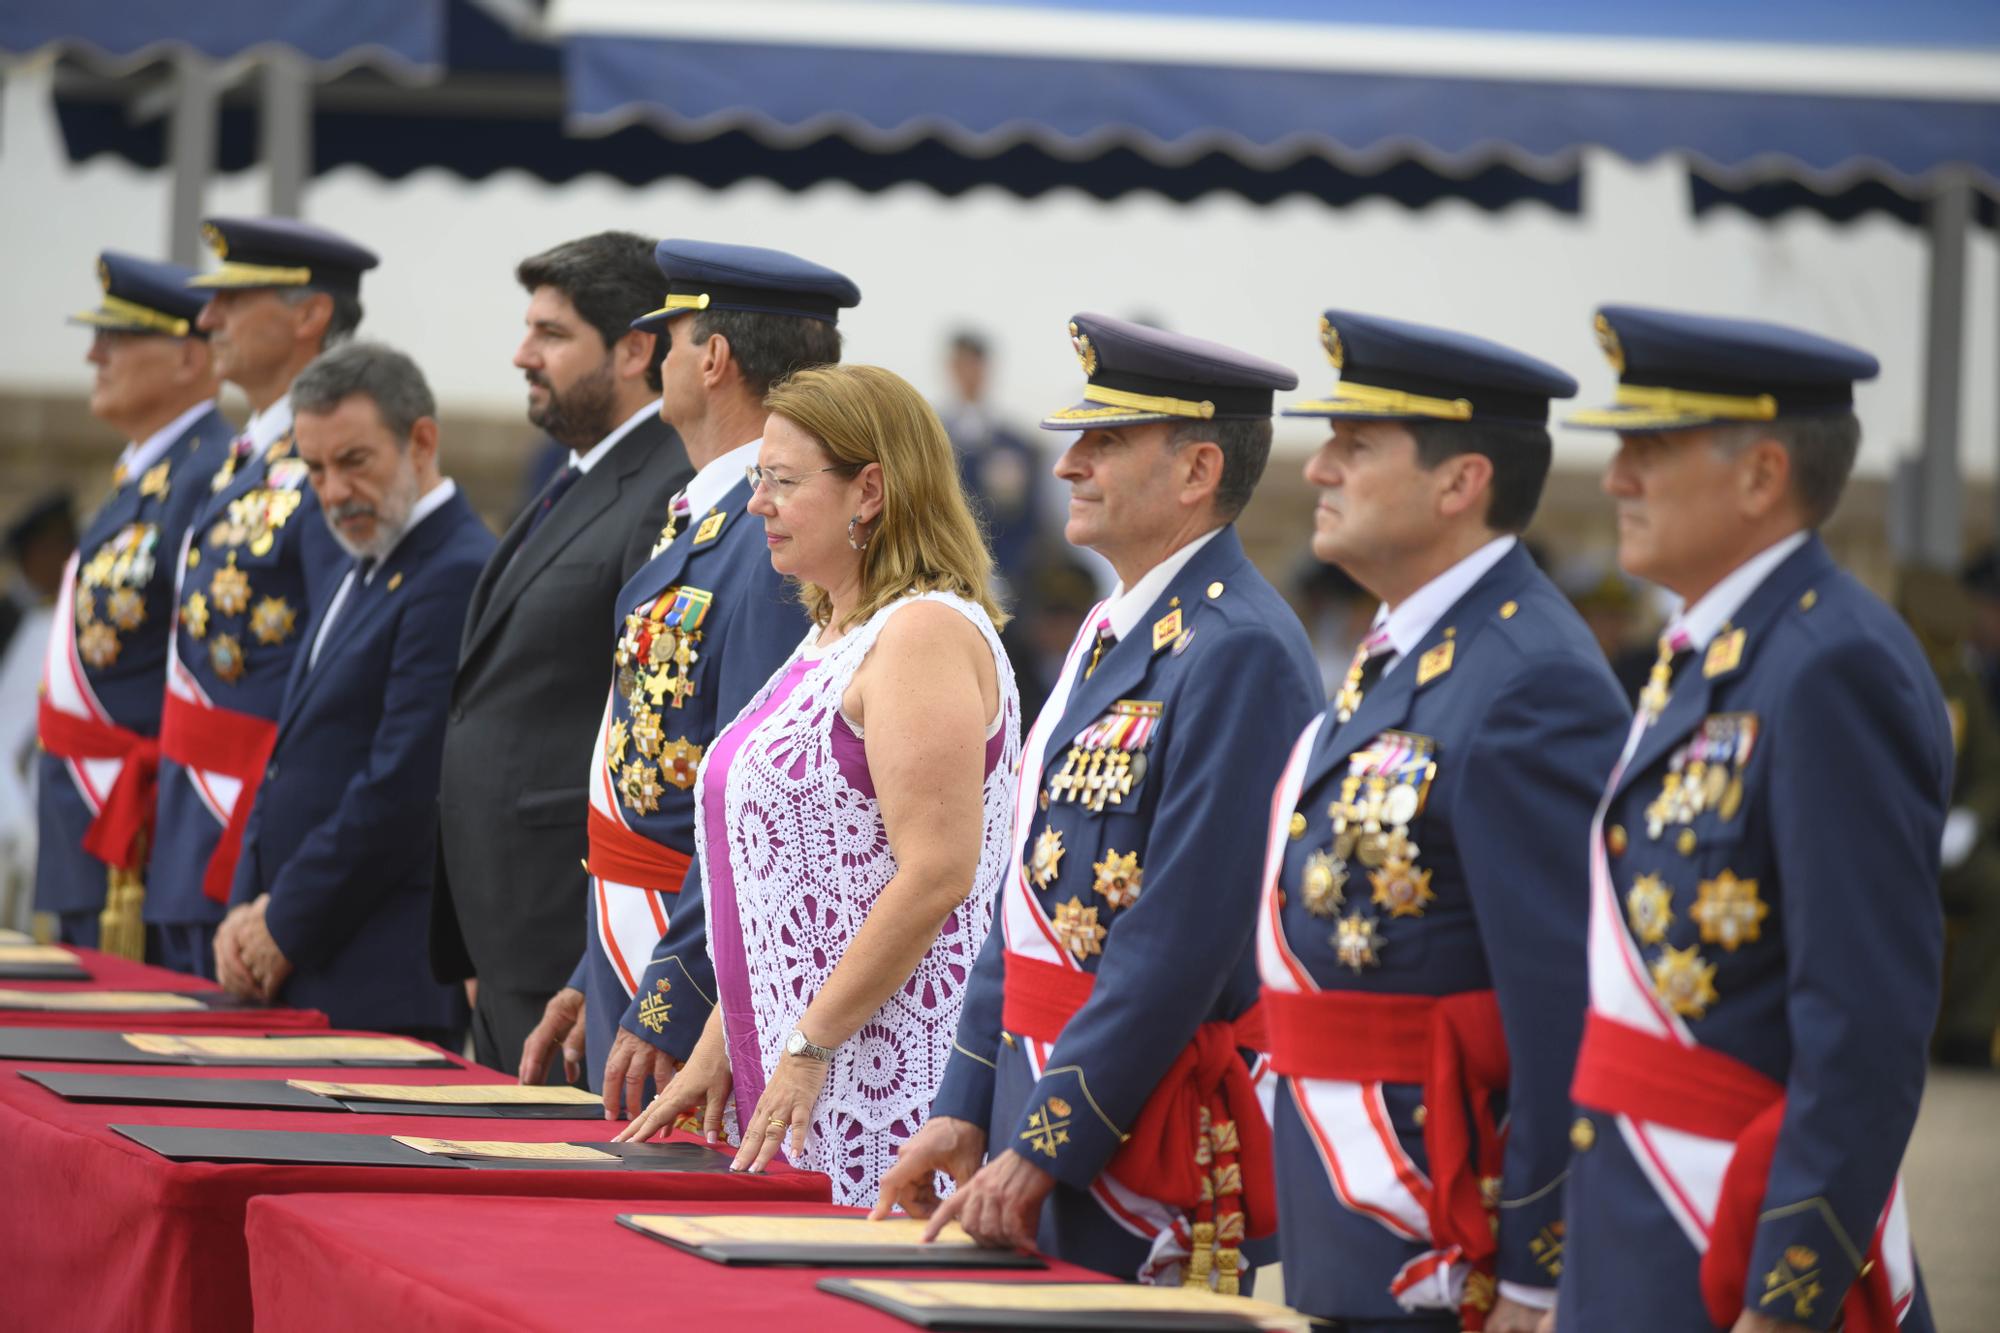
(1155, 894)
(1522, 720)
(123, 642)
(1793, 924)
(752, 622)
(260, 561)
(343, 834)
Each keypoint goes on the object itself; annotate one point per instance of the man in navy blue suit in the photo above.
(1421, 940)
(1100, 1068)
(332, 892)
(697, 632)
(100, 710)
(1765, 934)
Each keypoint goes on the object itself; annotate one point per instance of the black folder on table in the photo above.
(205, 1001)
(70, 969)
(269, 1094)
(807, 1254)
(102, 1046)
(972, 1318)
(189, 1143)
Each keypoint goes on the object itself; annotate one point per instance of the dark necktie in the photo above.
(551, 497)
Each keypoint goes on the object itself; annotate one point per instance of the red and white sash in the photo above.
(66, 689)
(1685, 1169)
(1365, 1164)
(630, 919)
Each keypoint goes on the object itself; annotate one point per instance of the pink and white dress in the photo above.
(793, 858)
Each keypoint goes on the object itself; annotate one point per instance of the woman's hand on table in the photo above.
(786, 1107)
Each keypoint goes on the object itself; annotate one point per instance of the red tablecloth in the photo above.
(444, 1265)
(112, 973)
(97, 1232)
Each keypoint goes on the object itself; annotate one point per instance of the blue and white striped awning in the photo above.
(400, 37)
(1825, 94)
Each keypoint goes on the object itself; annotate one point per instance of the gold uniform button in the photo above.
(1810, 600)
(1215, 590)
(194, 558)
(1045, 800)
(1421, 1114)
(1685, 843)
(1298, 825)
(1008, 1037)
(1507, 610)
(1614, 840)
(1582, 1134)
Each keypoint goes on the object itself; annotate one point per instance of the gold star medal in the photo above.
(1077, 929)
(1046, 862)
(615, 741)
(229, 590)
(1729, 911)
(126, 608)
(1356, 942)
(646, 735)
(1685, 981)
(1118, 877)
(1402, 888)
(272, 621)
(1324, 884)
(98, 643)
(195, 614)
(679, 763)
(1649, 906)
(225, 656)
(639, 785)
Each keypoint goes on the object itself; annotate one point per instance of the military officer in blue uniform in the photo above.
(257, 557)
(1422, 932)
(331, 896)
(698, 631)
(1765, 935)
(100, 709)
(1100, 1068)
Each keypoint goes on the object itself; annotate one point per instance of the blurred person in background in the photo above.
(332, 891)
(1981, 580)
(1337, 613)
(1940, 612)
(155, 383)
(39, 540)
(1616, 613)
(508, 908)
(1001, 471)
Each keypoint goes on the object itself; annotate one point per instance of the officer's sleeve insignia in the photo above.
(1795, 1277)
(1546, 1249)
(654, 1011)
(1434, 663)
(1048, 1128)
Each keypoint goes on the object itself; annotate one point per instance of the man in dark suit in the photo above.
(106, 656)
(1105, 1004)
(1765, 934)
(526, 698)
(333, 886)
(1421, 942)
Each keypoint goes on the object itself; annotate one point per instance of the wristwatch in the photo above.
(796, 1044)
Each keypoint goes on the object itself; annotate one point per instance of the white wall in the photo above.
(1255, 276)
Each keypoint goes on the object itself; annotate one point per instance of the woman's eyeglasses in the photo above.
(781, 486)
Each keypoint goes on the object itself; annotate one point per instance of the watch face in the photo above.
(796, 1043)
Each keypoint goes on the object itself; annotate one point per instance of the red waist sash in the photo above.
(1201, 1142)
(624, 857)
(220, 740)
(1450, 1045)
(118, 834)
(1625, 1071)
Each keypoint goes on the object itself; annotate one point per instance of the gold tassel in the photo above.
(121, 930)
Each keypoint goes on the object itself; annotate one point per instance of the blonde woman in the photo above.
(853, 819)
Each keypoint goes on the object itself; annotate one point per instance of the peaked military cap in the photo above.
(1138, 374)
(708, 275)
(283, 252)
(1395, 371)
(1677, 371)
(143, 296)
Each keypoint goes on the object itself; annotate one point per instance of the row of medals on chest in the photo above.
(252, 521)
(1102, 768)
(119, 570)
(1371, 826)
(655, 662)
(1706, 773)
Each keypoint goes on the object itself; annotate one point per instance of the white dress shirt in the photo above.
(585, 462)
(1414, 617)
(426, 505)
(137, 457)
(1127, 608)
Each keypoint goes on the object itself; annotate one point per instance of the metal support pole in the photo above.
(1940, 535)
(190, 153)
(285, 130)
